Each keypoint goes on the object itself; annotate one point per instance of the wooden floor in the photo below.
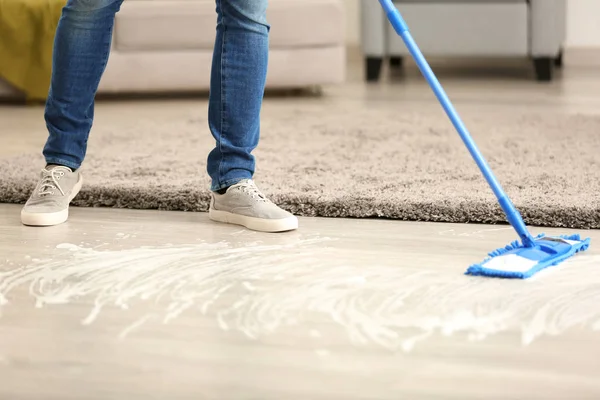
(125, 304)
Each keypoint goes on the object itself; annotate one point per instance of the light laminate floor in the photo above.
(120, 304)
(125, 304)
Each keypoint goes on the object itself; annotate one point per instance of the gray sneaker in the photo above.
(243, 204)
(49, 202)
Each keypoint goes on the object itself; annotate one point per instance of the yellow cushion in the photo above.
(27, 29)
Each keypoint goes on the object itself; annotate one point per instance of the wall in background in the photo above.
(583, 27)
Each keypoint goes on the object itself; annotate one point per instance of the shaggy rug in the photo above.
(352, 161)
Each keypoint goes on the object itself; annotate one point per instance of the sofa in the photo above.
(166, 46)
(535, 29)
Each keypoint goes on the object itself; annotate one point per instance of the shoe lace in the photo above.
(49, 182)
(250, 188)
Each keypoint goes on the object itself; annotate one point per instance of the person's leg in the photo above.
(81, 50)
(238, 78)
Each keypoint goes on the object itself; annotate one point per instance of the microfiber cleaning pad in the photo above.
(519, 262)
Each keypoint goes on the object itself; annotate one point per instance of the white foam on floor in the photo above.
(259, 291)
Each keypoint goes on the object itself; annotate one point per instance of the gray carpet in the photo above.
(353, 161)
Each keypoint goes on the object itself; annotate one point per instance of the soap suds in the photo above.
(260, 290)
(134, 326)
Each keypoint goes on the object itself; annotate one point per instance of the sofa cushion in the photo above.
(163, 25)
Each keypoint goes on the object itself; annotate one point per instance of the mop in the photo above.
(519, 259)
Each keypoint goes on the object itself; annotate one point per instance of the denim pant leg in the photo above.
(238, 78)
(81, 50)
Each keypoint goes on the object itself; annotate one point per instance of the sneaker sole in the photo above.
(255, 224)
(49, 219)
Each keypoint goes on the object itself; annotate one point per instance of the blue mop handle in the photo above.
(513, 216)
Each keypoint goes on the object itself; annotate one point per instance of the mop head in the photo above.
(516, 261)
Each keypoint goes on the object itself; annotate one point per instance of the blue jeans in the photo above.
(239, 67)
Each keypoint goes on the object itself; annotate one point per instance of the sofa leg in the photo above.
(396, 62)
(373, 68)
(558, 61)
(544, 68)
